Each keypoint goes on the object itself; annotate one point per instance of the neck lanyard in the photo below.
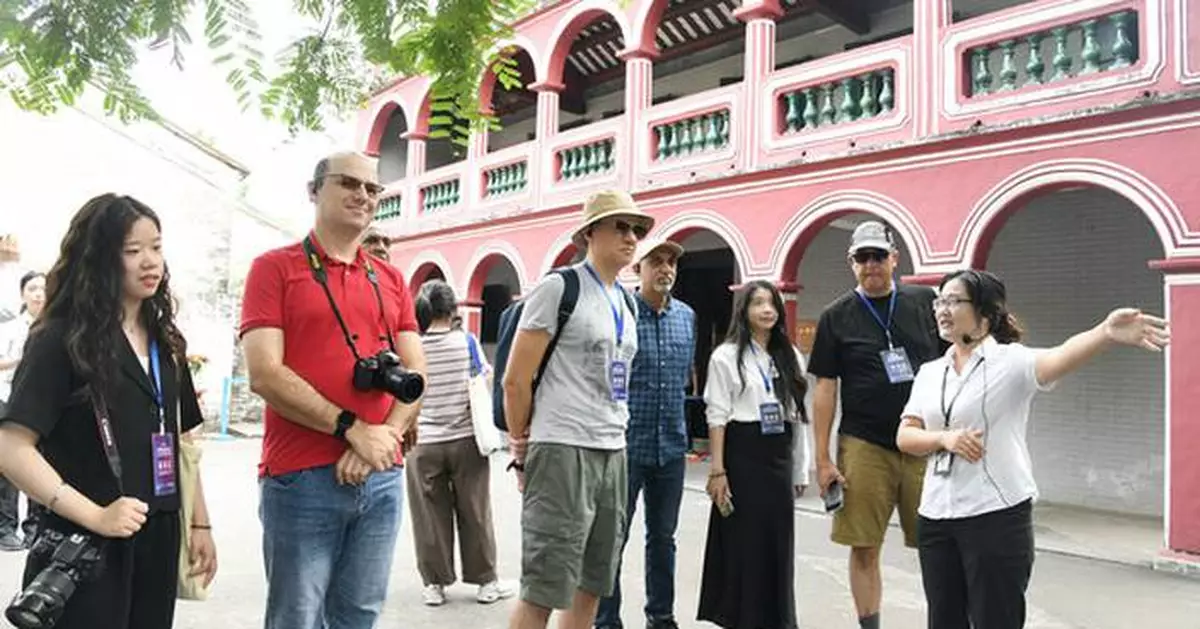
(887, 326)
(617, 313)
(765, 379)
(318, 271)
(948, 409)
(156, 378)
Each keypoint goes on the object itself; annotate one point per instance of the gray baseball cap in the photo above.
(871, 235)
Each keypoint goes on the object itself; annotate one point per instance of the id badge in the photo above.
(618, 381)
(895, 362)
(942, 462)
(770, 416)
(163, 446)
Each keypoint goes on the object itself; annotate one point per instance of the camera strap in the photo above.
(107, 438)
(321, 277)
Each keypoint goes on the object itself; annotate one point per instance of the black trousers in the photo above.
(976, 569)
(8, 507)
(137, 587)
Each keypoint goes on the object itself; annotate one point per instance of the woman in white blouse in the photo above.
(968, 412)
(760, 461)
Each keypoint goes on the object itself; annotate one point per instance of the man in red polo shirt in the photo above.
(314, 316)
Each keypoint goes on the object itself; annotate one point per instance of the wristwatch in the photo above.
(345, 420)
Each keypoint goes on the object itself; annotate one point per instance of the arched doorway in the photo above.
(493, 285)
(1068, 257)
(586, 61)
(426, 272)
(393, 148)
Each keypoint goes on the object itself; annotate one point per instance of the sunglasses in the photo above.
(352, 184)
(638, 230)
(870, 255)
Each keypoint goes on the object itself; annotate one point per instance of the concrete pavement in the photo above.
(1067, 592)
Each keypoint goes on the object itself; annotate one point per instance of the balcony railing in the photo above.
(506, 180)
(853, 98)
(586, 160)
(441, 195)
(389, 207)
(695, 134)
(1079, 48)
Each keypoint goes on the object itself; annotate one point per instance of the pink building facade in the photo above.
(1050, 140)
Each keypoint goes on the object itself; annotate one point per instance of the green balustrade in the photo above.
(391, 207)
(697, 134)
(586, 160)
(440, 196)
(859, 97)
(1090, 46)
(506, 179)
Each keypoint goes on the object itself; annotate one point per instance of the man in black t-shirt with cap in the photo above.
(870, 342)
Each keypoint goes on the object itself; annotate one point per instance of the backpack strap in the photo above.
(566, 306)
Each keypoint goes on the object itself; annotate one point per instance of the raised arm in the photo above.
(1124, 326)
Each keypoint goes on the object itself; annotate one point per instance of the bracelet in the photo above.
(55, 497)
(202, 527)
(716, 474)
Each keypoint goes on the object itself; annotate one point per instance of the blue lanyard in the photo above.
(155, 371)
(617, 313)
(887, 326)
(765, 379)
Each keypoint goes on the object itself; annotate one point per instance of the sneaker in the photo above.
(491, 592)
(434, 595)
(662, 623)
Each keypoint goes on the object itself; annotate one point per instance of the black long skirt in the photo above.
(749, 559)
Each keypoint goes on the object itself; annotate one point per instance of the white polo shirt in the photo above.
(1002, 377)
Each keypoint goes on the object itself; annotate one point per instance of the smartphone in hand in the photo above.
(725, 508)
(834, 498)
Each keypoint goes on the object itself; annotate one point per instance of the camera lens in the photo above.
(404, 385)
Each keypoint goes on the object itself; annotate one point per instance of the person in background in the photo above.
(869, 343)
(760, 460)
(969, 413)
(448, 480)
(376, 243)
(106, 346)
(12, 342)
(656, 439)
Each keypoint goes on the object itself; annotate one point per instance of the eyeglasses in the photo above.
(950, 301)
(870, 255)
(637, 229)
(374, 240)
(353, 184)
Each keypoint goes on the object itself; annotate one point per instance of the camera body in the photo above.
(78, 558)
(384, 372)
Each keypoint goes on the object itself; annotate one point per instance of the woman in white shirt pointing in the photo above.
(968, 412)
(760, 460)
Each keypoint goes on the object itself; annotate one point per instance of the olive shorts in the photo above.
(572, 523)
(878, 480)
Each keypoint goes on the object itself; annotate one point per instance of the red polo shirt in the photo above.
(282, 293)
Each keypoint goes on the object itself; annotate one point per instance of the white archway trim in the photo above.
(489, 248)
(524, 43)
(380, 105)
(715, 223)
(1156, 206)
(435, 258)
(891, 211)
(641, 22)
(559, 245)
(611, 7)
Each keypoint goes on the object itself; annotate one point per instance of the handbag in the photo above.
(191, 587)
(487, 437)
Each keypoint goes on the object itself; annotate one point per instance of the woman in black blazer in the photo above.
(91, 358)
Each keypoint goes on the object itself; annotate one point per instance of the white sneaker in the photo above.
(434, 595)
(491, 592)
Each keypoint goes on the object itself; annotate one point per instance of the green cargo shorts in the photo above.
(572, 523)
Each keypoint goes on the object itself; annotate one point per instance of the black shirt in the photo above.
(847, 346)
(47, 398)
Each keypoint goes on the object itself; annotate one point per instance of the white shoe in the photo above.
(434, 595)
(491, 592)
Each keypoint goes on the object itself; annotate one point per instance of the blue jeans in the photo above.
(663, 487)
(328, 547)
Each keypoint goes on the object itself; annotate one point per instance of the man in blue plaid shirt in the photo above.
(657, 439)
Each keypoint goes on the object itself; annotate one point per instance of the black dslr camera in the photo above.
(384, 371)
(77, 559)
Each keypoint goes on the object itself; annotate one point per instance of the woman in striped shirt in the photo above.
(448, 480)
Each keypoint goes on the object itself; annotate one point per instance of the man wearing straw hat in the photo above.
(569, 439)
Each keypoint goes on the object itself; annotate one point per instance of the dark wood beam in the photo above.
(673, 13)
(849, 13)
(573, 98)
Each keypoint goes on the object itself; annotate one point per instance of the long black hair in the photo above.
(84, 289)
(790, 382)
(989, 300)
